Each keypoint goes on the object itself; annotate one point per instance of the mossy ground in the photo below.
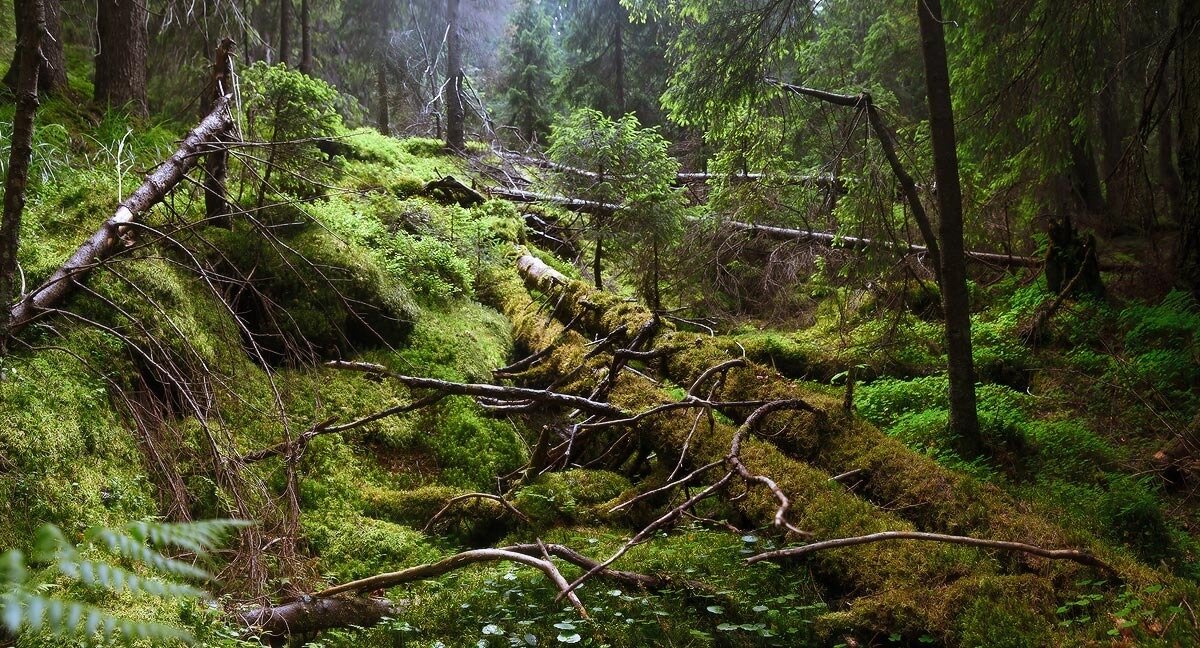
(381, 274)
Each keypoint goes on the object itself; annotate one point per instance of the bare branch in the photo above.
(1053, 554)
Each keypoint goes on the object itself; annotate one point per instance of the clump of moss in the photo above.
(351, 546)
(314, 293)
(569, 497)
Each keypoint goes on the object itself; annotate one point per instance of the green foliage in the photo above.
(356, 547)
(529, 70)
(632, 170)
(470, 447)
(28, 609)
(567, 497)
(433, 268)
(289, 109)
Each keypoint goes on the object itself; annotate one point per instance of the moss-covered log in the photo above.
(805, 449)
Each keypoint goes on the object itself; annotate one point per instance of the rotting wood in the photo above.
(107, 240)
(885, 471)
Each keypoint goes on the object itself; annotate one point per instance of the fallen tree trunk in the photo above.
(1053, 554)
(311, 614)
(788, 234)
(573, 204)
(891, 584)
(888, 472)
(825, 181)
(107, 240)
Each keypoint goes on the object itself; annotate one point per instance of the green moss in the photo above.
(569, 497)
(356, 547)
(66, 457)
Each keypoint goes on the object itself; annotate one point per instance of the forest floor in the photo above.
(146, 398)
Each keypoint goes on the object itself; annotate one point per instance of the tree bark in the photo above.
(1086, 178)
(1187, 252)
(964, 420)
(120, 79)
(52, 75)
(216, 163)
(285, 31)
(618, 45)
(19, 155)
(309, 614)
(306, 60)
(108, 239)
(455, 114)
(382, 117)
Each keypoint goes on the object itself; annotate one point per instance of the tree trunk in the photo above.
(964, 420)
(597, 270)
(121, 55)
(306, 62)
(618, 45)
(455, 134)
(285, 31)
(1187, 256)
(1086, 179)
(20, 152)
(1167, 170)
(52, 76)
(1113, 133)
(382, 118)
(109, 238)
(216, 163)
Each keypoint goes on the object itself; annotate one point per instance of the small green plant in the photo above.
(127, 553)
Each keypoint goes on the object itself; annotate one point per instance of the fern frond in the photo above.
(198, 537)
(136, 550)
(31, 612)
(118, 579)
(12, 567)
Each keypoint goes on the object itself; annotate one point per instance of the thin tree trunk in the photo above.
(382, 118)
(216, 163)
(964, 419)
(596, 268)
(285, 31)
(121, 55)
(19, 155)
(455, 132)
(619, 59)
(306, 62)
(1167, 169)
(1187, 256)
(52, 76)
(1086, 178)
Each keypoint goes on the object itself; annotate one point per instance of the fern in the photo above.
(24, 607)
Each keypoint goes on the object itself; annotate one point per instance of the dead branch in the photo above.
(446, 565)
(649, 531)
(734, 458)
(462, 498)
(1080, 557)
(297, 445)
(106, 241)
(496, 392)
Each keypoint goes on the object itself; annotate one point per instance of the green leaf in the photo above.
(569, 638)
(715, 609)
